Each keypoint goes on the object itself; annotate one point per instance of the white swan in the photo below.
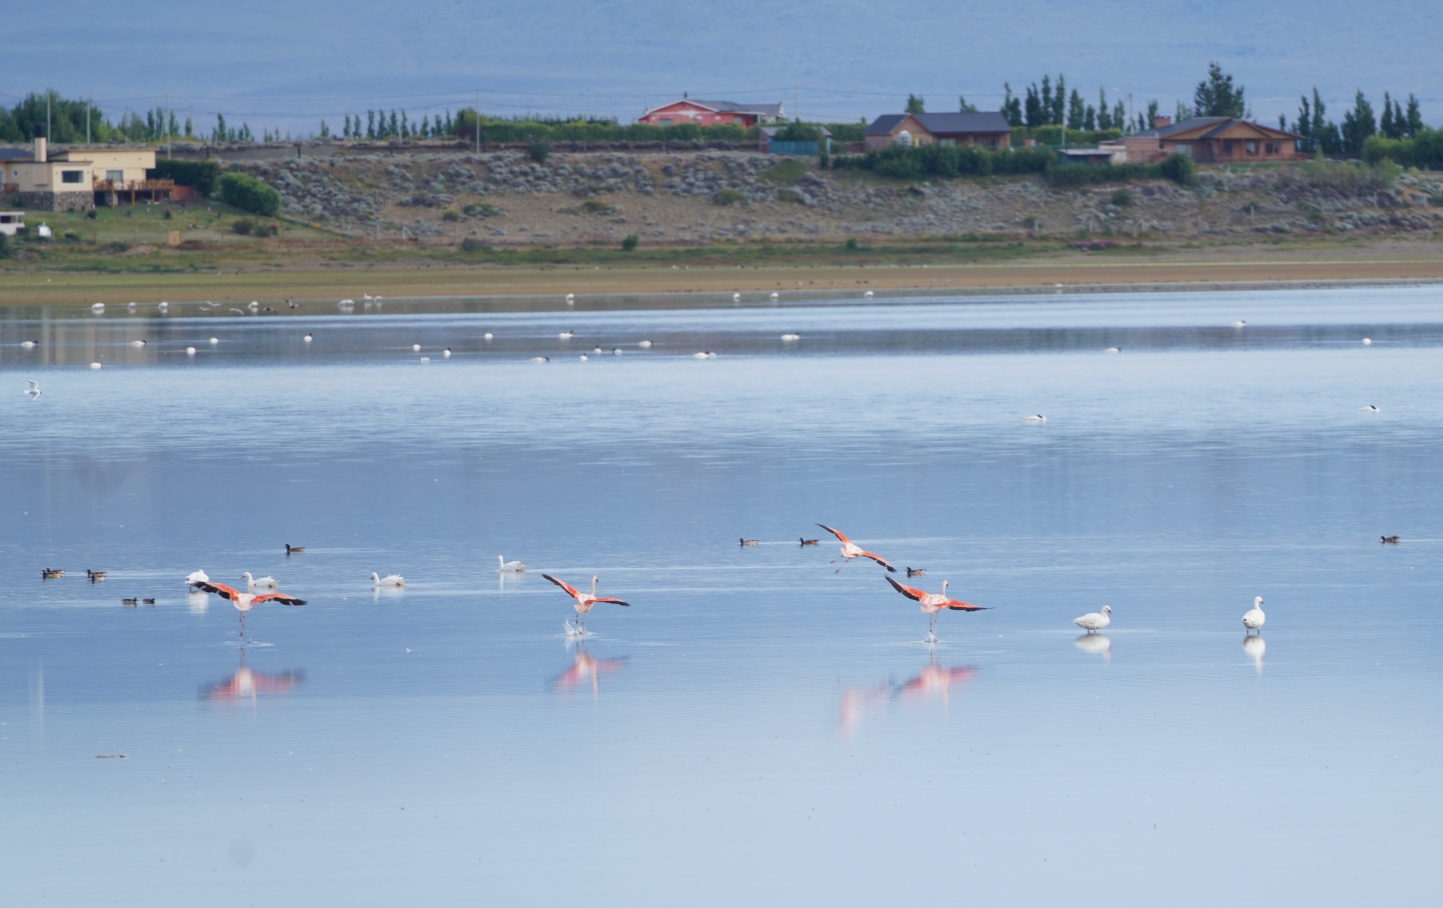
(415, 348)
(510, 567)
(97, 308)
(28, 345)
(1367, 341)
(736, 297)
(644, 344)
(1035, 417)
(1253, 618)
(264, 584)
(541, 359)
(1113, 350)
(487, 336)
(791, 337)
(139, 343)
(1240, 324)
(1371, 408)
(1093, 622)
(390, 580)
(308, 338)
(775, 295)
(867, 295)
(95, 365)
(566, 335)
(196, 578)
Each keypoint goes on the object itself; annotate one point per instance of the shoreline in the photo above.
(452, 284)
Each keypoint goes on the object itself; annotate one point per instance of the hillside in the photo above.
(508, 199)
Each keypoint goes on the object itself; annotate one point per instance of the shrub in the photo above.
(91, 215)
(471, 244)
(4, 245)
(249, 194)
(481, 210)
(451, 215)
(789, 195)
(1179, 168)
(798, 132)
(1122, 198)
(200, 175)
(539, 152)
(243, 226)
(852, 244)
(596, 206)
(630, 243)
(729, 197)
(916, 161)
(167, 214)
(72, 236)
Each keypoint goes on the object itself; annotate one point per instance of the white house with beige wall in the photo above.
(76, 178)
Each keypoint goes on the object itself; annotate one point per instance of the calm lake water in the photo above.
(757, 727)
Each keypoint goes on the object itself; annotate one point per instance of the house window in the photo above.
(666, 121)
(71, 176)
(115, 176)
(1184, 149)
(1227, 146)
(1271, 148)
(992, 144)
(1252, 147)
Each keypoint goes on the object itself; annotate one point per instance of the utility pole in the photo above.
(478, 121)
(797, 96)
(47, 114)
(87, 120)
(168, 137)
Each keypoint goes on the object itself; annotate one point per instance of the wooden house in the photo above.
(1212, 140)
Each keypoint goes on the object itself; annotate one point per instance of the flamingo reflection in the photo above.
(586, 669)
(247, 684)
(932, 682)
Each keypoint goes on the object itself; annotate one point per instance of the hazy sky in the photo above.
(288, 64)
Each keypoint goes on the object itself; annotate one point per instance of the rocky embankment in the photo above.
(507, 198)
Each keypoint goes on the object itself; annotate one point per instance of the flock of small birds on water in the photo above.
(348, 305)
(267, 589)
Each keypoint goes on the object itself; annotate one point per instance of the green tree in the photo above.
(1033, 115)
(1358, 124)
(1076, 111)
(1104, 113)
(370, 124)
(1059, 102)
(1046, 101)
(1414, 117)
(915, 104)
(1216, 96)
(1011, 106)
(964, 107)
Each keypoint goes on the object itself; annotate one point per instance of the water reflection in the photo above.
(197, 600)
(1255, 647)
(932, 682)
(586, 669)
(1098, 644)
(248, 684)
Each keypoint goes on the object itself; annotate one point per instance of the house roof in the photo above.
(1085, 152)
(944, 123)
(1212, 128)
(17, 154)
(761, 110)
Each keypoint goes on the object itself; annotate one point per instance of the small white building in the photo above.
(12, 222)
(75, 179)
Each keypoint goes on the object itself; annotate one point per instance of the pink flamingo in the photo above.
(932, 603)
(851, 550)
(244, 602)
(584, 601)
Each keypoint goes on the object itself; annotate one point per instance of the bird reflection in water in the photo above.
(248, 684)
(1255, 647)
(586, 670)
(1097, 644)
(933, 682)
(197, 600)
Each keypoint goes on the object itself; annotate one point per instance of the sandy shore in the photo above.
(1213, 268)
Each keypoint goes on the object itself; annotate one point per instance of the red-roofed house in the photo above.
(711, 113)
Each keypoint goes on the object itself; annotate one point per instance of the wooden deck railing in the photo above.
(132, 185)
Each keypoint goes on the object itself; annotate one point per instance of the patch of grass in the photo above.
(729, 197)
(1122, 198)
(596, 206)
(784, 173)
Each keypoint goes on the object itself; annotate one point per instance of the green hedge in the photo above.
(249, 194)
(198, 174)
(1425, 150)
(917, 161)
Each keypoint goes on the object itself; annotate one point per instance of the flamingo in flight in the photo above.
(932, 603)
(851, 550)
(584, 602)
(244, 602)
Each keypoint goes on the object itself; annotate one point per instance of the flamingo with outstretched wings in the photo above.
(851, 550)
(932, 603)
(584, 601)
(244, 602)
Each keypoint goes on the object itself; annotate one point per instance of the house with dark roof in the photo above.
(1212, 140)
(712, 113)
(988, 129)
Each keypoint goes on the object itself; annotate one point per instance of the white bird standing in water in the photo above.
(510, 567)
(1093, 622)
(196, 578)
(1254, 618)
(33, 390)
